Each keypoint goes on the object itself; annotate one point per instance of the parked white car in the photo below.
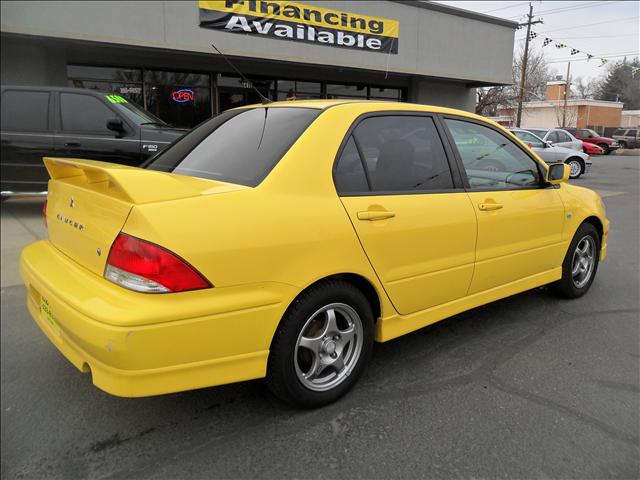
(557, 137)
(578, 162)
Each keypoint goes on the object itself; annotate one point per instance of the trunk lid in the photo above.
(89, 202)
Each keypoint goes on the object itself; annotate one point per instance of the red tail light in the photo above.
(145, 267)
(44, 214)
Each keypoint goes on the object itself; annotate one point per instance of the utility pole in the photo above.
(525, 57)
(566, 94)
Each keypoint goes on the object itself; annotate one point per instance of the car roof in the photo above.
(369, 106)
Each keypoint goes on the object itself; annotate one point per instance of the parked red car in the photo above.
(591, 136)
(591, 148)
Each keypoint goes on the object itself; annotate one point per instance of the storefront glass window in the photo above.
(104, 73)
(290, 89)
(181, 99)
(346, 91)
(122, 81)
(386, 93)
(130, 91)
(235, 92)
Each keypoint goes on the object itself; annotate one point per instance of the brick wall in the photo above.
(599, 117)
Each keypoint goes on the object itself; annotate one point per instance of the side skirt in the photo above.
(397, 325)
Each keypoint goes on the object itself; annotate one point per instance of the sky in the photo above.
(600, 28)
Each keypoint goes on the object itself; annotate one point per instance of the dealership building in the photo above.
(159, 54)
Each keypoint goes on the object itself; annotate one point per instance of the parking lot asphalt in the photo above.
(528, 387)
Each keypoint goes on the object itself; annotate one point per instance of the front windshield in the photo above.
(591, 132)
(529, 137)
(540, 133)
(134, 112)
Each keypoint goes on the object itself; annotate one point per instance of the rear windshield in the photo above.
(240, 146)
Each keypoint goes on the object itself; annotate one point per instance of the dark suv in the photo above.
(71, 122)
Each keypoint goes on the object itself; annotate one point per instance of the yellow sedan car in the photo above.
(282, 240)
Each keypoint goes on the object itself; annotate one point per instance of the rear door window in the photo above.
(350, 176)
(84, 113)
(403, 153)
(25, 111)
(554, 137)
(237, 146)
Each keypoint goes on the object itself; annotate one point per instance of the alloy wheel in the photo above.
(583, 261)
(575, 168)
(328, 347)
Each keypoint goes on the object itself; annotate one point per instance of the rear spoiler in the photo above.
(131, 184)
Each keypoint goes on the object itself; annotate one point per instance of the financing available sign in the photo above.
(302, 23)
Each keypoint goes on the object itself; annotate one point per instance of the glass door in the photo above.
(234, 92)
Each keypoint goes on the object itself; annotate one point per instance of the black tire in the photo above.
(567, 286)
(282, 375)
(605, 148)
(577, 160)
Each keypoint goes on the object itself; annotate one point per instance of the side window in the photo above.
(563, 137)
(585, 133)
(492, 161)
(632, 133)
(24, 111)
(554, 137)
(84, 113)
(403, 153)
(349, 176)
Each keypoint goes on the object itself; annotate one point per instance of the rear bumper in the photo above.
(139, 344)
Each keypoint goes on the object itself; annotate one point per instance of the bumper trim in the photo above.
(157, 381)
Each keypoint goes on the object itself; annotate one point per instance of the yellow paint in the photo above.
(437, 255)
(420, 263)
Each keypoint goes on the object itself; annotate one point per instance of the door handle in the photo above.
(487, 207)
(375, 215)
(71, 144)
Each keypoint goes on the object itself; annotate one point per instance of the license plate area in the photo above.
(47, 314)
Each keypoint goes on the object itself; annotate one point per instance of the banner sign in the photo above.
(302, 23)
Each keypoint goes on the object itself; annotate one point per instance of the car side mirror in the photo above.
(548, 144)
(558, 173)
(115, 124)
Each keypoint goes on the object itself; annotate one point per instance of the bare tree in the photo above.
(570, 116)
(537, 75)
(489, 99)
(583, 88)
